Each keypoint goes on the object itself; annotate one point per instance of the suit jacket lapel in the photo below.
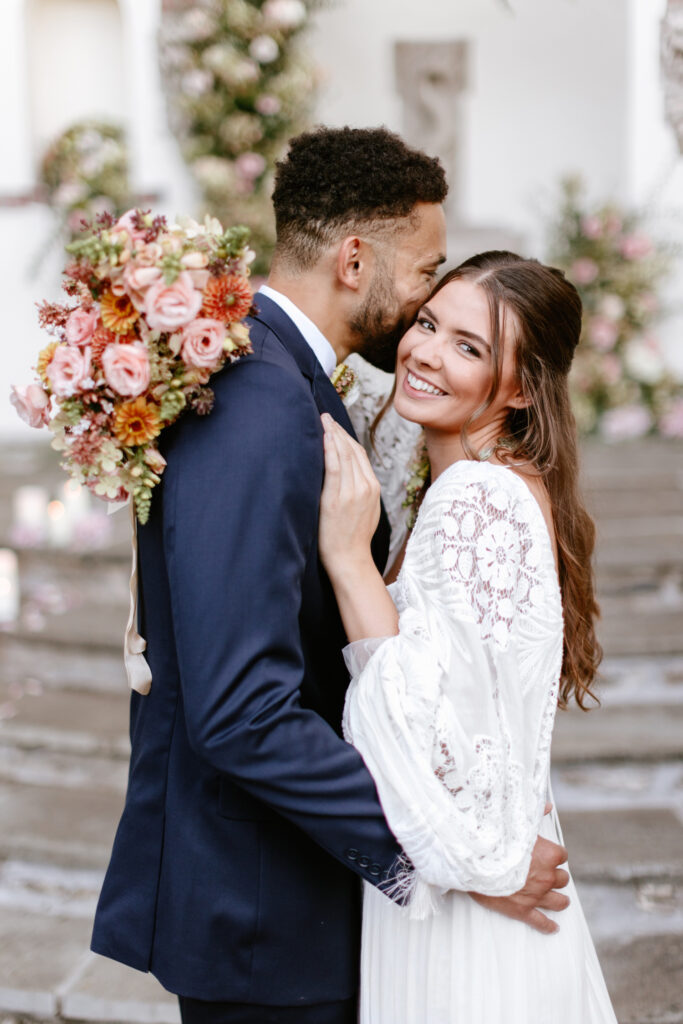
(324, 394)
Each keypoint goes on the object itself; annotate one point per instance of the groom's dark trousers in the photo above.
(248, 820)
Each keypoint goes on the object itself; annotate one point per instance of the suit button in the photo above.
(363, 862)
(352, 854)
(375, 870)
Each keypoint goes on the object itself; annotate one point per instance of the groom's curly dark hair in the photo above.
(335, 181)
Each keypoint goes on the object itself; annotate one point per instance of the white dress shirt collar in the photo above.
(316, 339)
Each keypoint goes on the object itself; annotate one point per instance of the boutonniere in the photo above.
(343, 380)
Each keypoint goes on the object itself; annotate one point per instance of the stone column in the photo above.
(672, 67)
(16, 166)
(158, 172)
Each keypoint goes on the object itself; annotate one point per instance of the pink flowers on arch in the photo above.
(621, 386)
(136, 347)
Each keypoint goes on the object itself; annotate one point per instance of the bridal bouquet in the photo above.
(154, 310)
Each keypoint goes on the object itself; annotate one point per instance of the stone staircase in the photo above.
(618, 771)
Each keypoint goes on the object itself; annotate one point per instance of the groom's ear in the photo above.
(353, 262)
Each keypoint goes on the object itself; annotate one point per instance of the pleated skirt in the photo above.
(470, 965)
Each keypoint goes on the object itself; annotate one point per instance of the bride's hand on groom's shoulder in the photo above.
(349, 504)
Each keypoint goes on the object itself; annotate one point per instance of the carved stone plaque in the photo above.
(430, 78)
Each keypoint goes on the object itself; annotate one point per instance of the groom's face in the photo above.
(404, 276)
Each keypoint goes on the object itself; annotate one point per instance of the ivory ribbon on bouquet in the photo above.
(134, 646)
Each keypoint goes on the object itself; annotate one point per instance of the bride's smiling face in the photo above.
(445, 363)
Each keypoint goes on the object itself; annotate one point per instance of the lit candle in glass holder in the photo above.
(9, 586)
(30, 520)
(58, 525)
(76, 501)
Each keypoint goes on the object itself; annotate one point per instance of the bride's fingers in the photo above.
(333, 467)
(352, 477)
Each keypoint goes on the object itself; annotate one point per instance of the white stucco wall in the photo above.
(548, 91)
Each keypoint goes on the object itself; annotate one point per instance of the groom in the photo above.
(248, 820)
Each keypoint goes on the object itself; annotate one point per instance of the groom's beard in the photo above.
(380, 323)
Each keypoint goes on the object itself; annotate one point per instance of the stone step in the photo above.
(613, 504)
(67, 738)
(67, 827)
(622, 845)
(47, 972)
(645, 979)
(632, 632)
(614, 733)
(27, 662)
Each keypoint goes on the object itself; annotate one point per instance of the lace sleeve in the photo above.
(396, 441)
(454, 715)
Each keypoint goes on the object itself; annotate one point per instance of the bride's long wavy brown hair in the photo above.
(545, 324)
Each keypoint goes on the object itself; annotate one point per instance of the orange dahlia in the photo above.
(227, 298)
(118, 312)
(44, 360)
(137, 422)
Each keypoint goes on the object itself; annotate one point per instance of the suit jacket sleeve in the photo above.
(241, 501)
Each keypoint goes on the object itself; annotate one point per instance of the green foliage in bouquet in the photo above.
(621, 387)
(85, 173)
(238, 86)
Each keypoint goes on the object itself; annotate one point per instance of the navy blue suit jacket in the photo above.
(248, 819)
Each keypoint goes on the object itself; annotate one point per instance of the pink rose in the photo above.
(603, 332)
(69, 370)
(591, 227)
(195, 263)
(137, 280)
(268, 105)
(125, 223)
(168, 307)
(81, 326)
(32, 404)
(584, 271)
(250, 165)
(126, 368)
(635, 247)
(203, 343)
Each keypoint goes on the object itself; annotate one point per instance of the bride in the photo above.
(459, 666)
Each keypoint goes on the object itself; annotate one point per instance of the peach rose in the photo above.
(81, 326)
(69, 369)
(32, 404)
(126, 368)
(203, 343)
(137, 280)
(168, 307)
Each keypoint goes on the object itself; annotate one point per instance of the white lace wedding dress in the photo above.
(454, 718)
